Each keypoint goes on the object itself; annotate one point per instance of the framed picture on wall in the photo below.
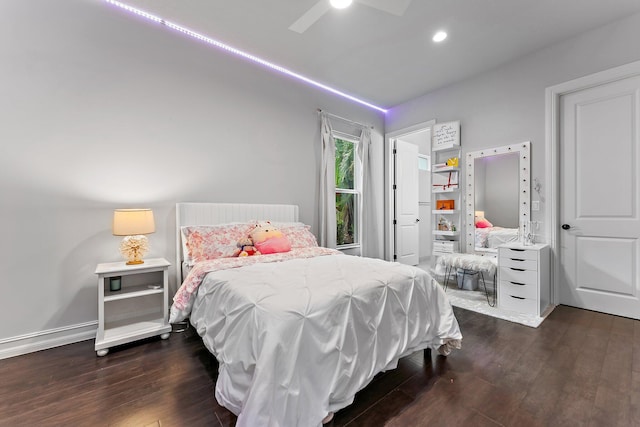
(445, 135)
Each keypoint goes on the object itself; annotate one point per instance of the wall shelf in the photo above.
(446, 233)
(445, 182)
(445, 190)
(442, 167)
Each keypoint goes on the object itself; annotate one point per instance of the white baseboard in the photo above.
(42, 340)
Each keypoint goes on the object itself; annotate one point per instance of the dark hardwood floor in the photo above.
(579, 368)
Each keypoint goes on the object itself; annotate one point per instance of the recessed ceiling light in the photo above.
(340, 4)
(439, 36)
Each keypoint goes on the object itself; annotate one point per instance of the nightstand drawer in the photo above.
(519, 304)
(521, 263)
(526, 277)
(518, 253)
(518, 290)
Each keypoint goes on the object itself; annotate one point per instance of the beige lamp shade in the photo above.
(130, 222)
(480, 214)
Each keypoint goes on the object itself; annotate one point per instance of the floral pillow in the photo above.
(299, 235)
(204, 242)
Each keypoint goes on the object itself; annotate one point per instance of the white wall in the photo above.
(102, 110)
(507, 105)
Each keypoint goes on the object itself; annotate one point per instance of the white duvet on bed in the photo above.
(297, 339)
(492, 237)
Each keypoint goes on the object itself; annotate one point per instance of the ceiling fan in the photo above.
(394, 7)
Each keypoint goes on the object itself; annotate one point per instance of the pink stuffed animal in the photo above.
(269, 239)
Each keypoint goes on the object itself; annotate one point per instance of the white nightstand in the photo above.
(139, 309)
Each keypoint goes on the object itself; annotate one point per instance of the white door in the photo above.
(425, 237)
(599, 198)
(406, 203)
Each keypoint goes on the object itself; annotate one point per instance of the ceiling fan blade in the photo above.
(394, 7)
(310, 17)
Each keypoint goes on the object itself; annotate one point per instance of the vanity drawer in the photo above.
(518, 290)
(526, 277)
(519, 304)
(521, 263)
(518, 253)
(445, 246)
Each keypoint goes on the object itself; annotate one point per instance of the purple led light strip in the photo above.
(238, 52)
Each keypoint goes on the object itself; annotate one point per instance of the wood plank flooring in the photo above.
(579, 368)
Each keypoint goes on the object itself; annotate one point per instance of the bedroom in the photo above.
(103, 111)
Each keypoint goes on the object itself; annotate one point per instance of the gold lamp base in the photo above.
(133, 249)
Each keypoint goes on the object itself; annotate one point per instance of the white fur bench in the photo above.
(471, 262)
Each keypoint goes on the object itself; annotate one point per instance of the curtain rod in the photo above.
(344, 119)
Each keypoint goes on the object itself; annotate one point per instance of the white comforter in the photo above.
(297, 339)
(492, 237)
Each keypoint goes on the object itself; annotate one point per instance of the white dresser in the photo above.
(523, 278)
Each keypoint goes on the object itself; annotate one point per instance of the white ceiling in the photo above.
(387, 59)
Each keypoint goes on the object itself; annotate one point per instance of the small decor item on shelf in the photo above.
(445, 205)
(527, 233)
(115, 283)
(452, 162)
(452, 182)
(444, 225)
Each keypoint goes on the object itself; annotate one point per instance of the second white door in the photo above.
(406, 203)
(599, 198)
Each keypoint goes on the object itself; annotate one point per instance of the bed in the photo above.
(492, 237)
(298, 333)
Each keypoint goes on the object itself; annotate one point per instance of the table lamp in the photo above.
(133, 224)
(479, 214)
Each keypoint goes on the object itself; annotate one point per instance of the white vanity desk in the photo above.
(523, 282)
(523, 278)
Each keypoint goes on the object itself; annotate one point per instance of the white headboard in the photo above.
(220, 213)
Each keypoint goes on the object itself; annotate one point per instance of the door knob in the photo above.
(566, 226)
(417, 219)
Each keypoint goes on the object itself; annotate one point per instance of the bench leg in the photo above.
(486, 292)
(447, 276)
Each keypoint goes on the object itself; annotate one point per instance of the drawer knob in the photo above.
(517, 283)
(517, 269)
(513, 296)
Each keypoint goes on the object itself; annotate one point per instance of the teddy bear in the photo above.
(268, 239)
(245, 248)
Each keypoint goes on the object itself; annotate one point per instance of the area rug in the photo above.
(477, 301)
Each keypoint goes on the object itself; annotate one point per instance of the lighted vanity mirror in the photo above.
(498, 195)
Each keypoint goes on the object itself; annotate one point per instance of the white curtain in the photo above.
(368, 230)
(327, 185)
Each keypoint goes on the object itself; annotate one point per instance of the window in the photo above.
(347, 192)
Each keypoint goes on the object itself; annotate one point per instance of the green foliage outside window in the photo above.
(345, 165)
(345, 208)
(345, 201)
